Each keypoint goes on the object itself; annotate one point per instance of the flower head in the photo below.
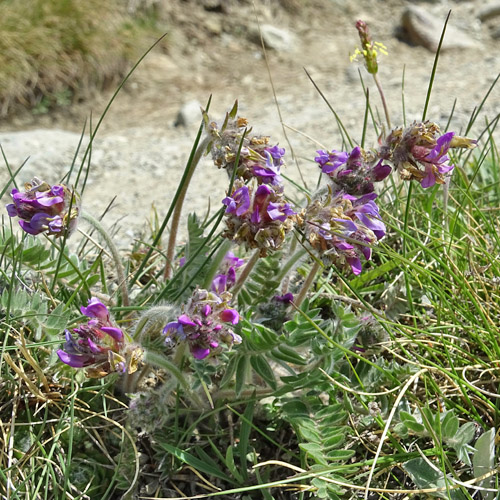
(353, 172)
(369, 49)
(257, 216)
(45, 208)
(420, 152)
(342, 228)
(205, 324)
(257, 158)
(100, 346)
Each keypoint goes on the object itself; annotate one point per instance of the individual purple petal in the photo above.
(343, 245)
(45, 200)
(185, 320)
(233, 260)
(275, 213)
(355, 264)
(11, 210)
(57, 190)
(441, 147)
(95, 309)
(55, 224)
(287, 298)
(113, 332)
(276, 152)
(230, 316)
(93, 346)
(255, 217)
(349, 225)
(73, 360)
(37, 224)
(263, 191)
(367, 252)
(380, 171)
(206, 310)
(231, 276)
(219, 283)
(376, 225)
(200, 352)
(430, 178)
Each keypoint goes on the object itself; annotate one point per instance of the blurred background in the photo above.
(61, 60)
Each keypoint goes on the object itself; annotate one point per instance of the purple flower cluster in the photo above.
(256, 159)
(204, 325)
(353, 172)
(100, 346)
(342, 228)
(420, 152)
(44, 208)
(257, 216)
(227, 273)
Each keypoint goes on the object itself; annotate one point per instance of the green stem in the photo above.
(176, 216)
(384, 102)
(160, 361)
(307, 283)
(122, 284)
(245, 273)
(215, 263)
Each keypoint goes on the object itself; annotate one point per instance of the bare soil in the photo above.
(212, 49)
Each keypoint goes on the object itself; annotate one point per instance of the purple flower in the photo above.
(436, 161)
(354, 172)
(331, 161)
(44, 208)
(239, 203)
(203, 326)
(287, 298)
(261, 220)
(100, 346)
(227, 277)
(419, 152)
(268, 173)
(257, 159)
(343, 228)
(277, 153)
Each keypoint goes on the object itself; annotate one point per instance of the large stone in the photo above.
(425, 29)
(189, 114)
(275, 38)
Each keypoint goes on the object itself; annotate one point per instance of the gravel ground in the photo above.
(139, 153)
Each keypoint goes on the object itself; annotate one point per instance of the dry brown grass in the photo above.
(48, 47)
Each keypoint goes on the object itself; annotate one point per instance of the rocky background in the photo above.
(213, 48)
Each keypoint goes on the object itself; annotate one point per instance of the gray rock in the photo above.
(189, 114)
(277, 39)
(425, 29)
(496, 33)
(489, 10)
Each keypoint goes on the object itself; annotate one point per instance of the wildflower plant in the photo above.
(344, 338)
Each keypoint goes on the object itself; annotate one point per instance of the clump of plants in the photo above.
(52, 51)
(342, 347)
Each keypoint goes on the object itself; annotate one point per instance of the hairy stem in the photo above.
(122, 284)
(384, 102)
(307, 283)
(161, 361)
(245, 273)
(176, 216)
